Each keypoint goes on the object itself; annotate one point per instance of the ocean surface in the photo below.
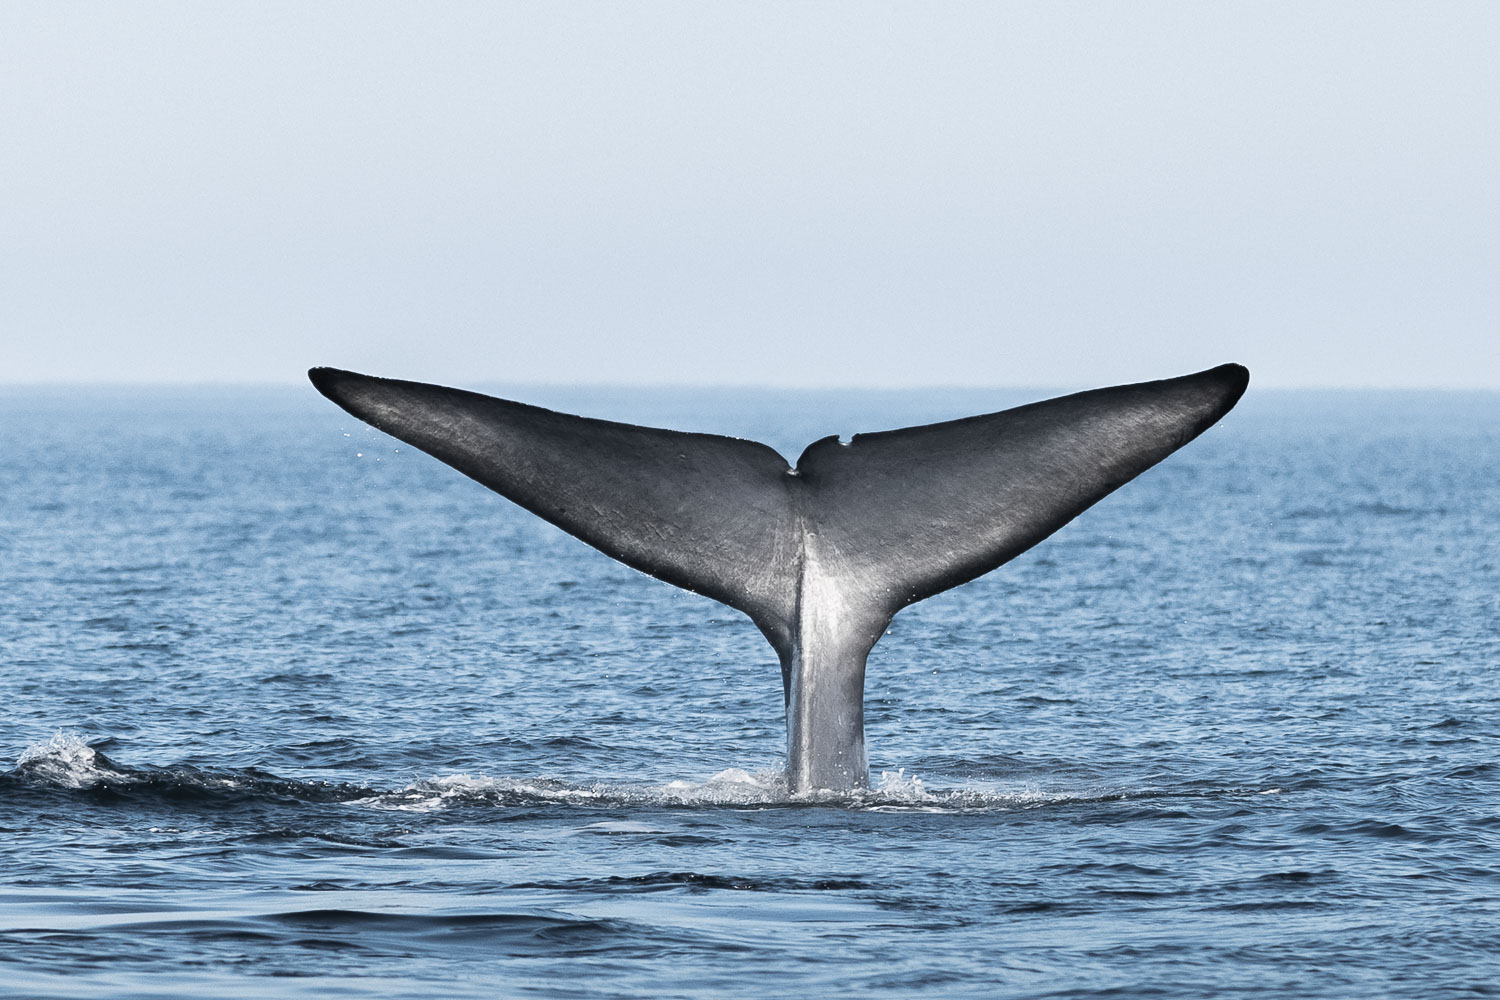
(291, 710)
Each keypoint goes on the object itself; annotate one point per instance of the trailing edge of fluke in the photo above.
(822, 554)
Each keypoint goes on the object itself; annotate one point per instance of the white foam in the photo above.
(732, 787)
(431, 794)
(898, 785)
(65, 759)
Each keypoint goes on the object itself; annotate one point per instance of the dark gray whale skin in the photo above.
(820, 555)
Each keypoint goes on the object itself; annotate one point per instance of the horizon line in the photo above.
(123, 384)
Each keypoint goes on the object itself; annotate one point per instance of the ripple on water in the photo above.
(67, 762)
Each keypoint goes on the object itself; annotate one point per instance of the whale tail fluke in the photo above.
(820, 556)
(919, 510)
(901, 515)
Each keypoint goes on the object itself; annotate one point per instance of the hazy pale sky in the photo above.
(799, 194)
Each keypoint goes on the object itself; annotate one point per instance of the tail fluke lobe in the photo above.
(707, 513)
(913, 512)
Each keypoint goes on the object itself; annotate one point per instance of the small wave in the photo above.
(540, 933)
(666, 881)
(66, 762)
(730, 787)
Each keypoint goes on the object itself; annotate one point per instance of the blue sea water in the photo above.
(296, 711)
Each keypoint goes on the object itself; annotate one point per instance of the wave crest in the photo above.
(66, 762)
